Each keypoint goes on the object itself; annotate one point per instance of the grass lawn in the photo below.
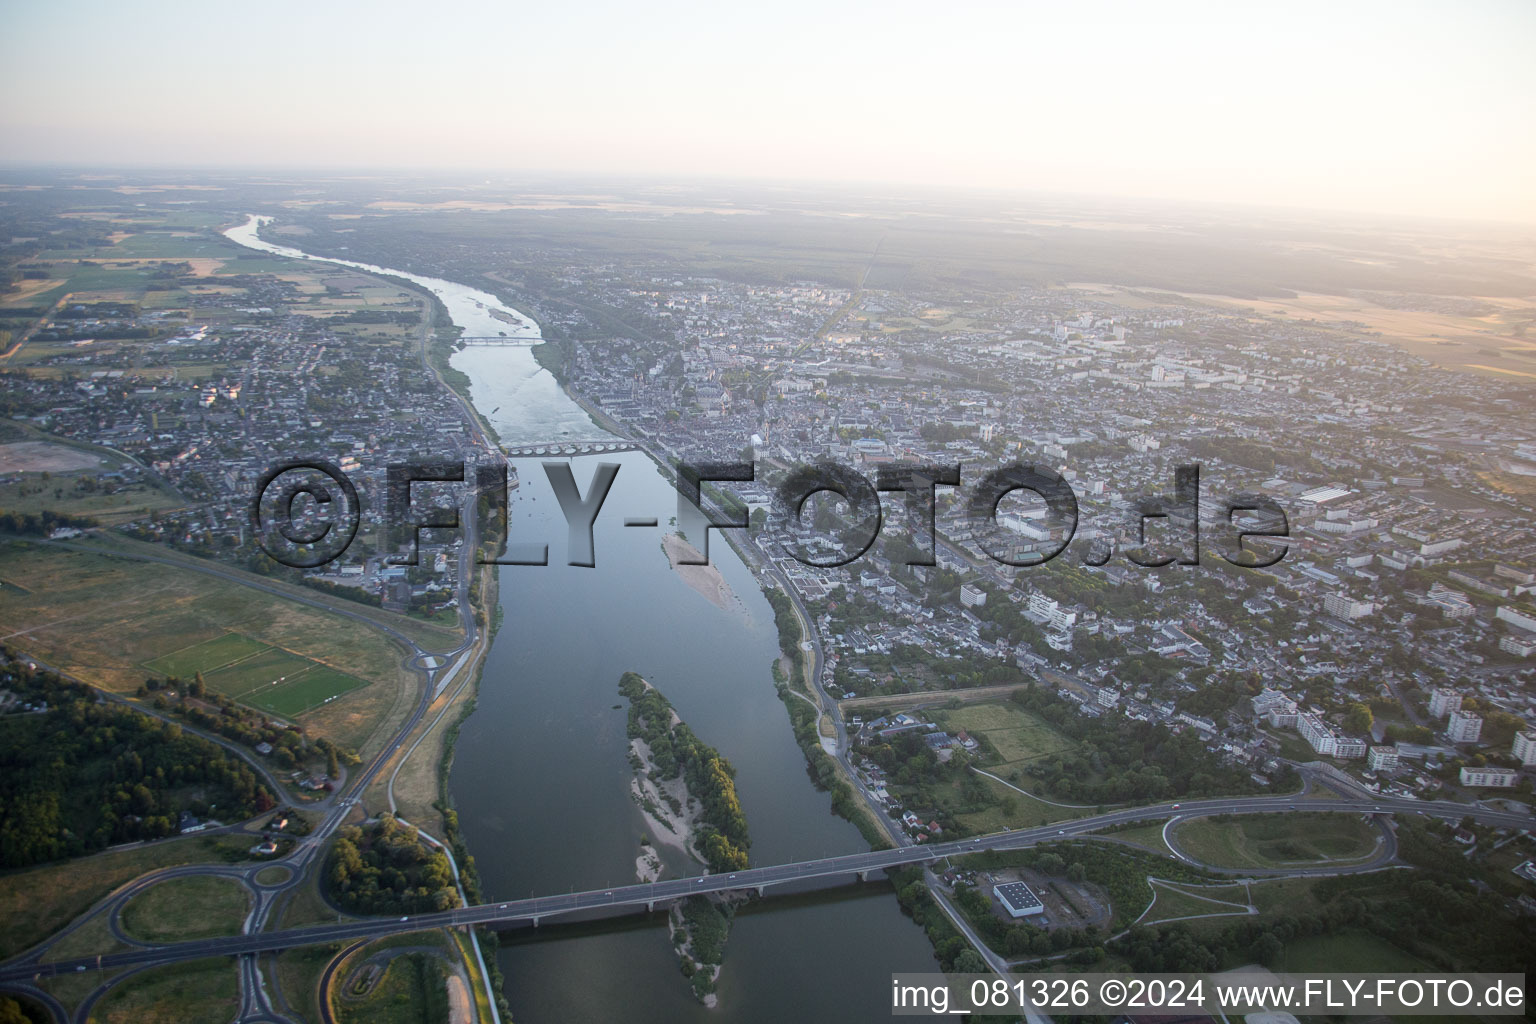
(36, 902)
(414, 989)
(1347, 952)
(298, 974)
(1178, 901)
(1287, 895)
(191, 993)
(315, 686)
(200, 907)
(1276, 840)
(305, 906)
(270, 667)
(90, 939)
(259, 674)
(70, 988)
(207, 656)
(1011, 810)
(1017, 734)
(273, 875)
(1148, 837)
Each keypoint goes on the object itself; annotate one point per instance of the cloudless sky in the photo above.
(1375, 105)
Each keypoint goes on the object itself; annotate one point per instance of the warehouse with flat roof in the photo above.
(1017, 899)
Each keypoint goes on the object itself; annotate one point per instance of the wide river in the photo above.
(540, 776)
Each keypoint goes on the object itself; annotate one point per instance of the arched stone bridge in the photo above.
(568, 448)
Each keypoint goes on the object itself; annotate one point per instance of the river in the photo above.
(540, 774)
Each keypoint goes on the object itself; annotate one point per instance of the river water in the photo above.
(540, 775)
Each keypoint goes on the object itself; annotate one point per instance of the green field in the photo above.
(207, 656)
(1276, 840)
(271, 667)
(190, 993)
(1182, 901)
(261, 675)
(1017, 734)
(1347, 951)
(197, 907)
(314, 687)
(1148, 837)
(36, 902)
(412, 989)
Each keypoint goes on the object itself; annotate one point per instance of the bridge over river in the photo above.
(568, 448)
(650, 895)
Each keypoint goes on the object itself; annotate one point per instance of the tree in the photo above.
(1358, 719)
(1268, 950)
(970, 962)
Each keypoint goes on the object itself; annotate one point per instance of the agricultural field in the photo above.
(177, 267)
(112, 622)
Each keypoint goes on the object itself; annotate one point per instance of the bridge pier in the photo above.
(535, 920)
(863, 876)
(650, 905)
(760, 891)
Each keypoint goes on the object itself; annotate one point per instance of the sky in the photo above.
(1401, 107)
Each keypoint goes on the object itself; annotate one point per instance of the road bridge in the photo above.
(565, 449)
(651, 895)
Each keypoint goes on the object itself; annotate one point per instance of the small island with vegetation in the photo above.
(687, 793)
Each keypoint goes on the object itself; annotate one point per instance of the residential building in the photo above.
(1342, 606)
(1524, 748)
(1443, 701)
(1381, 758)
(1464, 727)
(1489, 778)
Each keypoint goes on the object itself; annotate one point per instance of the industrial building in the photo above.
(1017, 899)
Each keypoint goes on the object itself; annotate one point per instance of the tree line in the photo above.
(41, 524)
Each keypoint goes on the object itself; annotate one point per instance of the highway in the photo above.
(652, 894)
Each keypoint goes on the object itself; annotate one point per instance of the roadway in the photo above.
(650, 895)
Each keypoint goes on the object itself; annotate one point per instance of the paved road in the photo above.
(653, 893)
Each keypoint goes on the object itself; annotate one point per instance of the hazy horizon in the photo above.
(1397, 109)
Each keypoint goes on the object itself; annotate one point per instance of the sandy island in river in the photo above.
(705, 579)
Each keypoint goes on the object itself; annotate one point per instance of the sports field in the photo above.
(259, 674)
